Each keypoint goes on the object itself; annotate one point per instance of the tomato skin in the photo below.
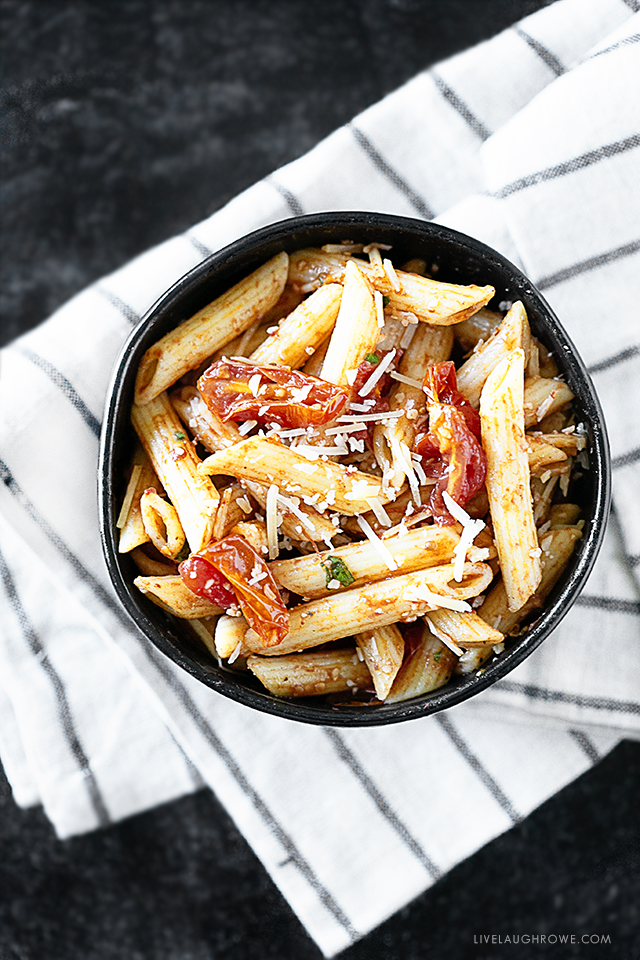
(235, 562)
(452, 452)
(204, 580)
(286, 397)
(441, 385)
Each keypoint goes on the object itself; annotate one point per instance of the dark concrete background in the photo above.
(124, 122)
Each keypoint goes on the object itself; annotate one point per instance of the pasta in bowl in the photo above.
(353, 470)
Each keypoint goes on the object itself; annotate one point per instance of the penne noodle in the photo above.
(429, 345)
(383, 651)
(309, 576)
(427, 668)
(255, 532)
(193, 341)
(171, 593)
(229, 632)
(563, 515)
(480, 326)
(557, 547)
(466, 630)
(229, 511)
(471, 660)
(162, 523)
(512, 334)
(308, 326)
(430, 300)
(132, 531)
(311, 674)
(203, 628)
(508, 478)
(176, 463)
(269, 461)
(541, 454)
(375, 605)
(543, 397)
(355, 333)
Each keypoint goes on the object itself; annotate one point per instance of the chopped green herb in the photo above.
(179, 435)
(372, 358)
(438, 655)
(385, 300)
(336, 569)
(184, 553)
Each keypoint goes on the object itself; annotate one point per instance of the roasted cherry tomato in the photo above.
(205, 581)
(245, 391)
(252, 585)
(451, 450)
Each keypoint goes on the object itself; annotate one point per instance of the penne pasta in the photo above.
(512, 334)
(172, 594)
(428, 667)
(466, 630)
(132, 531)
(193, 341)
(543, 397)
(429, 345)
(508, 478)
(306, 327)
(358, 563)
(162, 523)
(269, 461)
(311, 674)
(176, 463)
(355, 333)
(556, 548)
(375, 605)
(383, 652)
(430, 300)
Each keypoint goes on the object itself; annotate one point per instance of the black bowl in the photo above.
(461, 259)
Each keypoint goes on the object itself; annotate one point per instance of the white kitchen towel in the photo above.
(530, 142)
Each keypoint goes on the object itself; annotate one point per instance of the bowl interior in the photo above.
(459, 259)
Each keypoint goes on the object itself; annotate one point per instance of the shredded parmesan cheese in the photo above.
(409, 380)
(236, 653)
(421, 594)
(247, 427)
(384, 365)
(381, 547)
(380, 513)
(377, 297)
(272, 521)
(392, 275)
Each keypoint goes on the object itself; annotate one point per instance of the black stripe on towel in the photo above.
(587, 265)
(293, 854)
(569, 166)
(392, 175)
(625, 459)
(586, 745)
(381, 803)
(452, 97)
(127, 312)
(633, 5)
(634, 559)
(67, 389)
(613, 604)
(545, 55)
(163, 668)
(577, 700)
(628, 41)
(290, 198)
(613, 361)
(199, 246)
(64, 713)
(481, 772)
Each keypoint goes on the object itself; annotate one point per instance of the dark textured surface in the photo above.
(125, 122)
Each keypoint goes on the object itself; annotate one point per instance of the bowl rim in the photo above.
(465, 686)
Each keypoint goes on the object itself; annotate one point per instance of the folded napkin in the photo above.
(530, 142)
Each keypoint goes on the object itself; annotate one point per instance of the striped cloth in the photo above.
(531, 143)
